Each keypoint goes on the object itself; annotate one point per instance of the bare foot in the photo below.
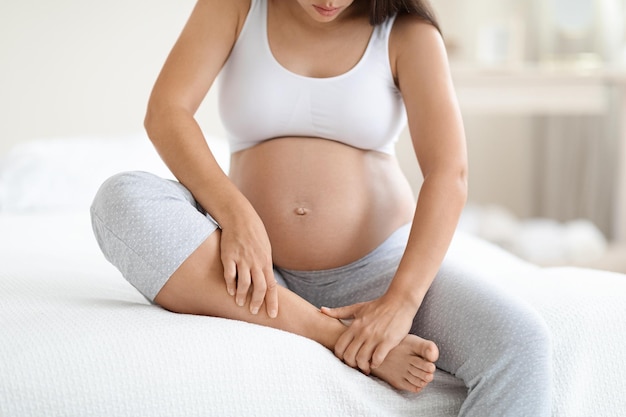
(410, 366)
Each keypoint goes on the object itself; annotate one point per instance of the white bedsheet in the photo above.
(77, 340)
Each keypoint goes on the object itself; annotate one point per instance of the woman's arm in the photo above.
(438, 138)
(420, 64)
(189, 71)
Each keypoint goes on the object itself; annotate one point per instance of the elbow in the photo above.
(163, 115)
(463, 182)
(463, 190)
(160, 119)
(147, 120)
(150, 120)
(159, 113)
(460, 178)
(452, 181)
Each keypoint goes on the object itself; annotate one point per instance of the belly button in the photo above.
(301, 211)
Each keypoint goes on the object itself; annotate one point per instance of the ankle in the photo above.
(329, 332)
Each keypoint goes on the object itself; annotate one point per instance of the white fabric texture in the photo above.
(76, 339)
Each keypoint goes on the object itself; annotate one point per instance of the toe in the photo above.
(420, 373)
(430, 351)
(422, 365)
(414, 384)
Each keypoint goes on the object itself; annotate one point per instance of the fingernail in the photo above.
(254, 310)
(273, 313)
(231, 291)
(240, 302)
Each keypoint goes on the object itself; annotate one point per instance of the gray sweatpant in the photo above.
(499, 346)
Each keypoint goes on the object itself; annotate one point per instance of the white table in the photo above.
(541, 91)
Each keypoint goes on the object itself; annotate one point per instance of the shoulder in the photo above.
(413, 34)
(216, 20)
(226, 11)
(241, 7)
(233, 6)
(417, 44)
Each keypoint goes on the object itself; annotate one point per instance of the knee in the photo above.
(528, 342)
(127, 194)
(120, 188)
(121, 200)
(537, 334)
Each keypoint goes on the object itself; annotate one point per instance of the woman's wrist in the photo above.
(232, 208)
(402, 302)
(405, 297)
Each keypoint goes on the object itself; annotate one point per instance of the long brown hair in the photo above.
(381, 10)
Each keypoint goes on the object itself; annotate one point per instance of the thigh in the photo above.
(147, 226)
(474, 321)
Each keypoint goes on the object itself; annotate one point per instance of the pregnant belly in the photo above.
(324, 204)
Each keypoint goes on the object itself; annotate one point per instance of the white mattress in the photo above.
(77, 340)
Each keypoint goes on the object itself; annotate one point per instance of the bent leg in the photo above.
(147, 226)
(497, 344)
(165, 245)
(409, 366)
(198, 287)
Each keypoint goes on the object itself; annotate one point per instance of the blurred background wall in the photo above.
(81, 67)
(545, 163)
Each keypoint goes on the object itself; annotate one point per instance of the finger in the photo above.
(243, 285)
(346, 312)
(230, 276)
(349, 355)
(364, 358)
(381, 352)
(342, 343)
(259, 286)
(271, 295)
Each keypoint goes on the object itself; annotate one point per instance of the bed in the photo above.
(77, 340)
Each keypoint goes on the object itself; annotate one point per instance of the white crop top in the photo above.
(259, 99)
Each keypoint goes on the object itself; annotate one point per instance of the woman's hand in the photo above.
(377, 327)
(247, 259)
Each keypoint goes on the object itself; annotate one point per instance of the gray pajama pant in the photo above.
(147, 226)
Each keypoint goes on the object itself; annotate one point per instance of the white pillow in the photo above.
(65, 174)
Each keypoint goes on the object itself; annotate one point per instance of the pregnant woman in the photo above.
(315, 229)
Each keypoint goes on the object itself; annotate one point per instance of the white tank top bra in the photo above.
(259, 99)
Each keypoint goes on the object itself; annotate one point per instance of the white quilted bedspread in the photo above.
(77, 340)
